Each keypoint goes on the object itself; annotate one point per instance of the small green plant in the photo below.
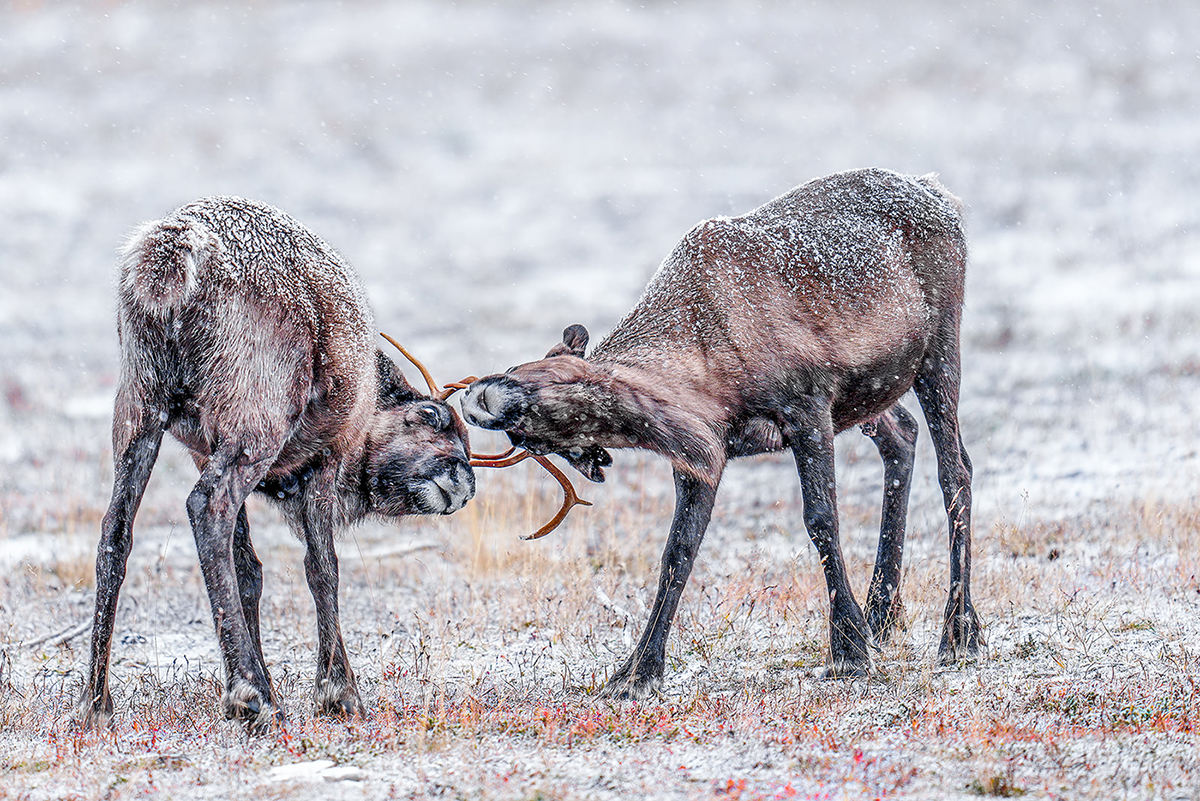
(1026, 648)
(998, 786)
(1137, 625)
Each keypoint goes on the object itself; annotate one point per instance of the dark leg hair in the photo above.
(213, 508)
(335, 691)
(131, 472)
(248, 568)
(807, 428)
(642, 673)
(936, 387)
(895, 435)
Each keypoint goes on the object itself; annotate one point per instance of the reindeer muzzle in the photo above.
(510, 457)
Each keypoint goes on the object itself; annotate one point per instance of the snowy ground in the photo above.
(496, 172)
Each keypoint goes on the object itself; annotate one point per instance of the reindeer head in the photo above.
(570, 499)
(549, 406)
(418, 455)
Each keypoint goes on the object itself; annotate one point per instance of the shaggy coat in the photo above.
(776, 329)
(251, 341)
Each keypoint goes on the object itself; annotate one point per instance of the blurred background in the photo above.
(497, 171)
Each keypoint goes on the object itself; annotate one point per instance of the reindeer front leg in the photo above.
(642, 673)
(807, 427)
(335, 692)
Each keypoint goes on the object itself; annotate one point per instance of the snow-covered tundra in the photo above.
(773, 330)
(251, 341)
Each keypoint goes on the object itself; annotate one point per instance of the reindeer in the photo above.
(251, 341)
(776, 329)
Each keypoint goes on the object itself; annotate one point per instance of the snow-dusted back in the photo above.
(261, 310)
(242, 244)
(835, 255)
(252, 340)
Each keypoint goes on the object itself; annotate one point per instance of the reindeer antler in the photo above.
(570, 499)
(434, 392)
(505, 459)
(511, 457)
(462, 383)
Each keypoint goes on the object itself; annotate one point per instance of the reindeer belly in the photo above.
(295, 460)
(865, 393)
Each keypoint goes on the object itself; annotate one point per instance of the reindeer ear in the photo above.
(575, 340)
(394, 390)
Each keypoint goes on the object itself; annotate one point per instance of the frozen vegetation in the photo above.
(497, 172)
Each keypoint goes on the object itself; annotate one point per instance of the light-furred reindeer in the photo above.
(251, 341)
(776, 329)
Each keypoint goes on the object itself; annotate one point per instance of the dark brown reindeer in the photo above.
(776, 329)
(251, 341)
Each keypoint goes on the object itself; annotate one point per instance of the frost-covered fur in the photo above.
(778, 328)
(251, 341)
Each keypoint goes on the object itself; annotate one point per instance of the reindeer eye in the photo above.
(431, 416)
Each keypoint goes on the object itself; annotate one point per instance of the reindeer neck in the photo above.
(650, 408)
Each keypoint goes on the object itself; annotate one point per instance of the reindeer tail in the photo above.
(161, 260)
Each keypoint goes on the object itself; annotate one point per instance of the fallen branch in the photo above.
(59, 637)
(608, 604)
(400, 550)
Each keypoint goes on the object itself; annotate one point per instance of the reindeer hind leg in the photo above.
(137, 436)
(937, 386)
(895, 436)
(249, 579)
(214, 507)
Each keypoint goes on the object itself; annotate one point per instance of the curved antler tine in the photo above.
(454, 386)
(433, 387)
(500, 459)
(570, 499)
(492, 457)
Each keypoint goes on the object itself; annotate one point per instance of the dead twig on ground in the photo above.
(59, 637)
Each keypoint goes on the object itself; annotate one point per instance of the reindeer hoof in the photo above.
(623, 687)
(850, 652)
(92, 715)
(342, 708)
(846, 669)
(964, 650)
(962, 637)
(883, 619)
(338, 701)
(268, 721)
(243, 702)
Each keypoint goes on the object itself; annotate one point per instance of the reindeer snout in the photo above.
(490, 404)
(457, 483)
(445, 490)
